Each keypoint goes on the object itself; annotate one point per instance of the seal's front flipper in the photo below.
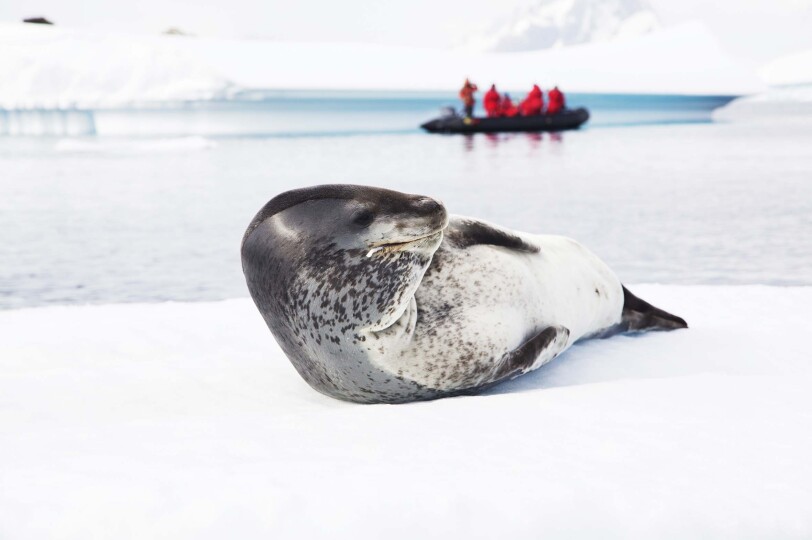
(639, 315)
(466, 232)
(533, 353)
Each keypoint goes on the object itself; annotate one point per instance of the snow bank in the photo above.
(791, 105)
(56, 68)
(185, 421)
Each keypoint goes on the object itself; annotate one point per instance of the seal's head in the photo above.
(333, 269)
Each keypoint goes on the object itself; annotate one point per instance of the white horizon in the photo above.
(751, 31)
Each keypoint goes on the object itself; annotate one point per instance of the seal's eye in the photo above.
(363, 218)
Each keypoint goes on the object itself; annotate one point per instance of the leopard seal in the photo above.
(377, 296)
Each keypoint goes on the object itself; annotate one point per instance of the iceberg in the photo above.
(781, 105)
(788, 100)
(55, 79)
(186, 421)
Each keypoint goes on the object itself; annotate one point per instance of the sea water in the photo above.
(104, 219)
(298, 113)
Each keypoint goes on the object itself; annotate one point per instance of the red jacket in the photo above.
(556, 101)
(467, 93)
(491, 102)
(533, 103)
(507, 107)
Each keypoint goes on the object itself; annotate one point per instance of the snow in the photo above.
(795, 68)
(185, 421)
(67, 69)
(685, 59)
(558, 23)
(785, 105)
(56, 68)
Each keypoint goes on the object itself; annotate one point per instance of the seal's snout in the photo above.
(427, 205)
(432, 210)
(410, 222)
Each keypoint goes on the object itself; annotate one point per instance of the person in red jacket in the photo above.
(507, 108)
(533, 103)
(556, 98)
(467, 97)
(491, 102)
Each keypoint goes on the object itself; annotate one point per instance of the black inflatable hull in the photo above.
(568, 119)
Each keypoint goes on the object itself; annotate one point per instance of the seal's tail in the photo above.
(639, 315)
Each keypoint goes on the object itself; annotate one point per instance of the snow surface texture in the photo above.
(186, 421)
(55, 68)
(559, 23)
(792, 104)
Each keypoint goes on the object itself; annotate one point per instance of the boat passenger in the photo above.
(556, 99)
(467, 97)
(491, 102)
(507, 108)
(533, 103)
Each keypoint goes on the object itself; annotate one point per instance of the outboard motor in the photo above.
(448, 112)
(448, 116)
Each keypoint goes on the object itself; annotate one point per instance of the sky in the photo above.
(754, 31)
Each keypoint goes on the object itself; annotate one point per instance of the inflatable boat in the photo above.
(452, 122)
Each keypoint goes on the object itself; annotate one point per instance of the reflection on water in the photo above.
(124, 219)
(492, 140)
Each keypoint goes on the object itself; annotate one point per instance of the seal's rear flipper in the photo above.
(639, 315)
(533, 353)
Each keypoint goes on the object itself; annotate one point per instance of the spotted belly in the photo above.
(475, 305)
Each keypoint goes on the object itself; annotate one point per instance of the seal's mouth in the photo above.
(392, 247)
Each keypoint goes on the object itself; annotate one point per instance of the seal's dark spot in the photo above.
(471, 233)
